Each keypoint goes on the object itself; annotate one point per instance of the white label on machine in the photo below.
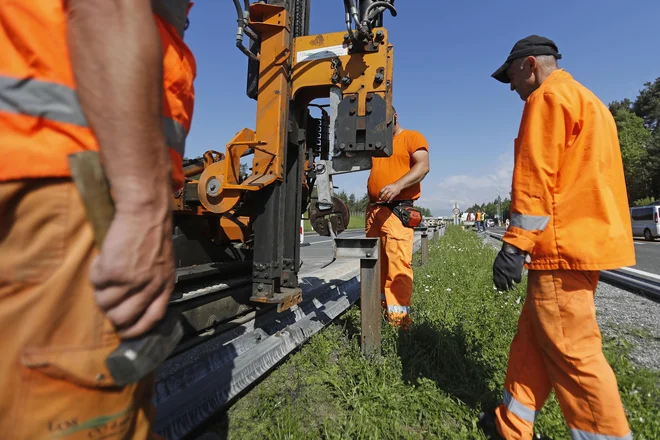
(321, 52)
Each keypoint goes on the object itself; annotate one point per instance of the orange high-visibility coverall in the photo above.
(396, 240)
(569, 209)
(55, 340)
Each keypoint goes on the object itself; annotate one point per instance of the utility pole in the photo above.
(499, 207)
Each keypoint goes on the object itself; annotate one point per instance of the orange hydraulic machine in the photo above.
(247, 221)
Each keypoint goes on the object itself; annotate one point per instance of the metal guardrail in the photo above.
(639, 282)
(195, 384)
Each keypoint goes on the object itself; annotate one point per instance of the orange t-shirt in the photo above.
(386, 170)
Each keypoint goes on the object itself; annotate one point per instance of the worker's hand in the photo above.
(389, 192)
(134, 273)
(507, 267)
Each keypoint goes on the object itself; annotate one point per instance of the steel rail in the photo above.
(645, 285)
(211, 369)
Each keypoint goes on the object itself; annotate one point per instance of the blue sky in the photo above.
(444, 55)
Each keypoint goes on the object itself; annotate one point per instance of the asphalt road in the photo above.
(647, 253)
(317, 250)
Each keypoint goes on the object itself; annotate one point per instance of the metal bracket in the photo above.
(286, 299)
(363, 248)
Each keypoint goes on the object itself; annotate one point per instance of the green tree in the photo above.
(643, 202)
(243, 171)
(653, 164)
(633, 137)
(491, 209)
(506, 209)
(352, 204)
(647, 107)
(426, 212)
(362, 203)
(616, 106)
(647, 104)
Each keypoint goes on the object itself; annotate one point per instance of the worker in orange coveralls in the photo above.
(393, 180)
(569, 220)
(77, 75)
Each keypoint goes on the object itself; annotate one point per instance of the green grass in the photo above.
(430, 383)
(355, 222)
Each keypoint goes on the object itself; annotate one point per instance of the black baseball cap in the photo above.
(533, 45)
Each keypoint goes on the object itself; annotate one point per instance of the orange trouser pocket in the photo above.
(396, 246)
(53, 376)
(558, 346)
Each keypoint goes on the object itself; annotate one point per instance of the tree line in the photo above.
(638, 126)
(639, 135)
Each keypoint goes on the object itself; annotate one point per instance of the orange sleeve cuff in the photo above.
(523, 240)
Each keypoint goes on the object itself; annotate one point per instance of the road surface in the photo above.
(317, 250)
(647, 253)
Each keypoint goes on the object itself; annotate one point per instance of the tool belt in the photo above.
(410, 216)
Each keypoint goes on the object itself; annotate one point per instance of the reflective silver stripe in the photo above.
(517, 408)
(529, 222)
(577, 434)
(175, 135)
(398, 309)
(175, 12)
(60, 103)
(41, 99)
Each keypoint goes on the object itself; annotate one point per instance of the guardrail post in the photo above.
(370, 305)
(366, 249)
(435, 235)
(424, 243)
(425, 248)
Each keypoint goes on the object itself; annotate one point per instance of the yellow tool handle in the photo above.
(88, 175)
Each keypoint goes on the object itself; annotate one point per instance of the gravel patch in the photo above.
(636, 319)
(626, 315)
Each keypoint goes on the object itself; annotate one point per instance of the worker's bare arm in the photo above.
(417, 172)
(117, 63)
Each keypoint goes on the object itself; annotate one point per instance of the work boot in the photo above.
(488, 426)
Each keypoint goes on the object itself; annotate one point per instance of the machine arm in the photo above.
(287, 71)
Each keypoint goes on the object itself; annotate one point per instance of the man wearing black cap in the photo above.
(538, 51)
(569, 221)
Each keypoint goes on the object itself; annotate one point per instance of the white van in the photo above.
(645, 221)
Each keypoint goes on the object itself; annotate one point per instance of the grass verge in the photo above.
(430, 382)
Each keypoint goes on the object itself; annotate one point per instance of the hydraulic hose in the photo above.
(239, 11)
(353, 12)
(242, 19)
(246, 19)
(379, 4)
(347, 10)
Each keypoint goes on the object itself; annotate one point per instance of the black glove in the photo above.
(507, 267)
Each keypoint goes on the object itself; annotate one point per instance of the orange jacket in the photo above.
(179, 71)
(569, 205)
(41, 121)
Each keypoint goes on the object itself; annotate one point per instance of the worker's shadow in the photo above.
(444, 356)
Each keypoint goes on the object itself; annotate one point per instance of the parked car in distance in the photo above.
(645, 221)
